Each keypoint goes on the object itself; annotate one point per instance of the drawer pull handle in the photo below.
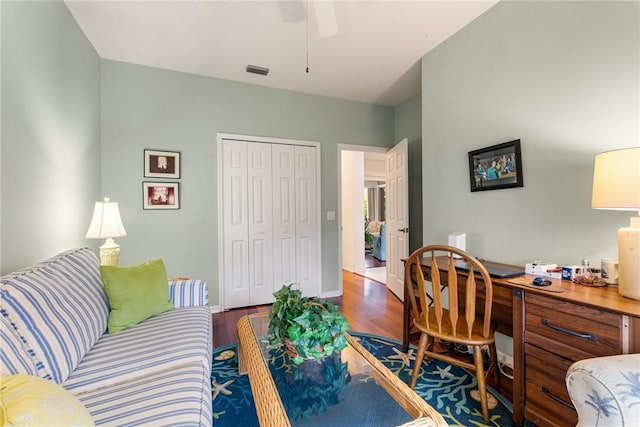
(552, 396)
(590, 337)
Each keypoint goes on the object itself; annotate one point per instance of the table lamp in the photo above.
(106, 224)
(616, 186)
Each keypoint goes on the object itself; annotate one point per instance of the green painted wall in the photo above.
(50, 174)
(408, 124)
(527, 70)
(145, 107)
(564, 77)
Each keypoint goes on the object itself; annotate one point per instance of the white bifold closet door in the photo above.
(270, 221)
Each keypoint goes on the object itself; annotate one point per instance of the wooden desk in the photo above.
(551, 331)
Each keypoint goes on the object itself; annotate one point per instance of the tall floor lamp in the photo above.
(616, 186)
(106, 224)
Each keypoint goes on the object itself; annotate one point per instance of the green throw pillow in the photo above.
(135, 293)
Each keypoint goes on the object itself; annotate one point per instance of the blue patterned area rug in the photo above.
(449, 389)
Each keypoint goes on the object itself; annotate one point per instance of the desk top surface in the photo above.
(605, 298)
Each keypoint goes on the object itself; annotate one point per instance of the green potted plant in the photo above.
(305, 326)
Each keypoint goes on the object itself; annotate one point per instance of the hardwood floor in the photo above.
(371, 261)
(368, 306)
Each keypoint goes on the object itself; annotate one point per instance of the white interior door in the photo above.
(397, 217)
(270, 223)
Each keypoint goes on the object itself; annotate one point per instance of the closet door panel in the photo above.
(260, 212)
(306, 185)
(236, 252)
(284, 215)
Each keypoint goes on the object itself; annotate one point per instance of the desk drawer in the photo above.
(546, 396)
(573, 331)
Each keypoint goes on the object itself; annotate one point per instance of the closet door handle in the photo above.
(555, 398)
(584, 335)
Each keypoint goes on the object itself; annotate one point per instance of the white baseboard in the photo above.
(331, 294)
(215, 309)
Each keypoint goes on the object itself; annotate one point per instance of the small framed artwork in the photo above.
(495, 167)
(161, 195)
(161, 164)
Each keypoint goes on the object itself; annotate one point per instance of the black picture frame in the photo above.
(161, 164)
(496, 167)
(160, 195)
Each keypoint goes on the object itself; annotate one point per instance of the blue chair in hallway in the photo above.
(380, 244)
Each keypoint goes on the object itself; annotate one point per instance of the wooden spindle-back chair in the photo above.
(460, 322)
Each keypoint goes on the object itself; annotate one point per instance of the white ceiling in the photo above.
(373, 58)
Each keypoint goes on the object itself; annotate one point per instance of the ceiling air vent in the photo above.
(256, 69)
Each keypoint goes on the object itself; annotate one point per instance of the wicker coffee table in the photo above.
(395, 403)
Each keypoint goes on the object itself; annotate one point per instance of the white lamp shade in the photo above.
(616, 185)
(106, 221)
(616, 180)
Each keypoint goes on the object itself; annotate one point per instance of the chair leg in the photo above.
(482, 382)
(430, 346)
(422, 345)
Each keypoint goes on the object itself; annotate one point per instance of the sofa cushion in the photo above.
(159, 343)
(29, 400)
(58, 309)
(135, 293)
(177, 397)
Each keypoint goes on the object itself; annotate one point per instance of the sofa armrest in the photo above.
(188, 293)
(606, 390)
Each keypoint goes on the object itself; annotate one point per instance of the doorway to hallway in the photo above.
(362, 211)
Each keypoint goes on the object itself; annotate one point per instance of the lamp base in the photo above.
(109, 252)
(629, 260)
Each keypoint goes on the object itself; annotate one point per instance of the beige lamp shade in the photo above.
(616, 180)
(106, 221)
(616, 185)
(107, 224)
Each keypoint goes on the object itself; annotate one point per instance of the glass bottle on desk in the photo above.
(584, 275)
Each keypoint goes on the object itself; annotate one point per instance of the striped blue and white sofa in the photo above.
(53, 321)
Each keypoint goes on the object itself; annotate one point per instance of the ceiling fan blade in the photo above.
(292, 10)
(325, 17)
(295, 11)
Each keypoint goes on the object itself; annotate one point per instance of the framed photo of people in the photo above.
(495, 167)
(161, 195)
(161, 164)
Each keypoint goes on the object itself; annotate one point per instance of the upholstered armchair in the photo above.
(606, 390)
(380, 244)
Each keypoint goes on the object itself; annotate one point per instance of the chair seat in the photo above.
(461, 330)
